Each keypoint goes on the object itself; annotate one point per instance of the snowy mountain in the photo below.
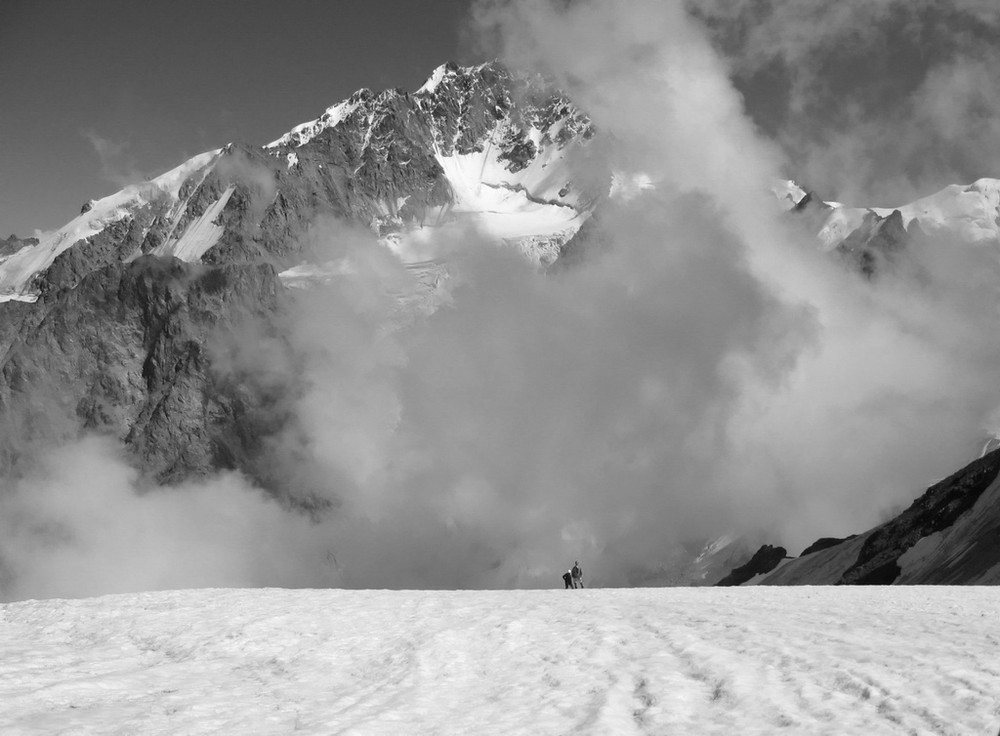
(474, 146)
(111, 324)
(108, 316)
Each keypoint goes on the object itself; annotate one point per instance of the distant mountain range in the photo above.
(104, 322)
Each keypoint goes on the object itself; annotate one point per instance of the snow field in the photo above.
(503, 202)
(840, 660)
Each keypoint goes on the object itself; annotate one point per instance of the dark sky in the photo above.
(99, 93)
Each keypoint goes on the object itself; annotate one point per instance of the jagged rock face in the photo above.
(381, 158)
(479, 143)
(126, 352)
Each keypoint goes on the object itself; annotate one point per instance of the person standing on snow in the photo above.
(577, 574)
(568, 579)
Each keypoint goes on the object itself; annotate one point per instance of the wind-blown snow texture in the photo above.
(691, 661)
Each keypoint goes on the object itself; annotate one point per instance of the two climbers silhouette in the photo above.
(573, 578)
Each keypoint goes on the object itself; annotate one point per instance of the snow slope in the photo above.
(678, 660)
(528, 207)
(200, 235)
(534, 206)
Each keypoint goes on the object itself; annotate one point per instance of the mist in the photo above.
(85, 523)
(704, 370)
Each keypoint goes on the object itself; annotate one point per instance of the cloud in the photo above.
(117, 164)
(873, 102)
(709, 371)
(85, 523)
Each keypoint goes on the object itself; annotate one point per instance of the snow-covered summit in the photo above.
(474, 146)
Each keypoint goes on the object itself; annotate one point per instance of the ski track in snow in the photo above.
(892, 660)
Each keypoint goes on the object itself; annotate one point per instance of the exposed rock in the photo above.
(763, 561)
(824, 543)
(125, 353)
(375, 161)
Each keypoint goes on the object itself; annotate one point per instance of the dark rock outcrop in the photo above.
(378, 165)
(825, 543)
(763, 561)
